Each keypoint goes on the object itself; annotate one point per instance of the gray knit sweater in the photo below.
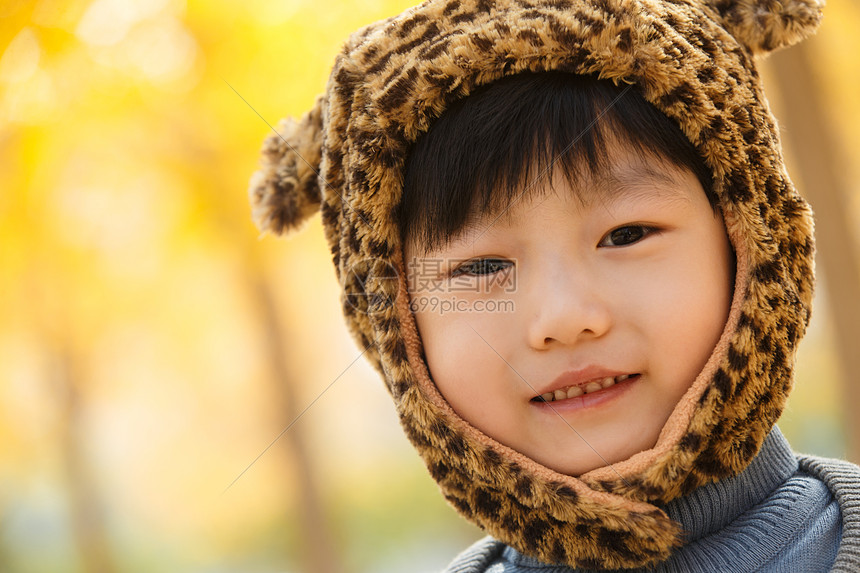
(782, 514)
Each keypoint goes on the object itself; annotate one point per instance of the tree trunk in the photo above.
(89, 532)
(320, 554)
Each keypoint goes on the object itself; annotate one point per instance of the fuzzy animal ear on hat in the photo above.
(285, 191)
(692, 60)
(766, 25)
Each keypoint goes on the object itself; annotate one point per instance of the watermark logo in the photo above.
(371, 285)
(447, 286)
(437, 276)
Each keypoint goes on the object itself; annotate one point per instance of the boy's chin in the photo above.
(600, 455)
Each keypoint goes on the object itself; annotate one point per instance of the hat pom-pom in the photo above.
(767, 25)
(285, 190)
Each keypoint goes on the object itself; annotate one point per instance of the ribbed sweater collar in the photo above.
(712, 507)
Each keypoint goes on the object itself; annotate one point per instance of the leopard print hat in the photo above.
(691, 59)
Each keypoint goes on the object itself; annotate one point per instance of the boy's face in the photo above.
(630, 290)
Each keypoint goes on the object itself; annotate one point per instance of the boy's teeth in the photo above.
(575, 391)
(592, 387)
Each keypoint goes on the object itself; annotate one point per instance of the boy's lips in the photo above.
(581, 382)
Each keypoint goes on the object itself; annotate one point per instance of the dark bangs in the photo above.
(503, 139)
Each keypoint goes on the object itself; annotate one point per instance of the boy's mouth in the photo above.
(576, 390)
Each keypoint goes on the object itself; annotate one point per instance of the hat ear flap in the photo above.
(766, 25)
(285, 190)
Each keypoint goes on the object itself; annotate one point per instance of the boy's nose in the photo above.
(568, 310)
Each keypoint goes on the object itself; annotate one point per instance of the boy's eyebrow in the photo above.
(637, 180)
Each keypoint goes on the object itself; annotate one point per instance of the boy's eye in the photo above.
(478, 267)
(626, 235)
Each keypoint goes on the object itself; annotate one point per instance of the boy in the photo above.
(593, 192)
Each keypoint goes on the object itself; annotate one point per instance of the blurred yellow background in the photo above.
(152, 347)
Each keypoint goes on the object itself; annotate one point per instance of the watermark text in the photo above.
(448, 305)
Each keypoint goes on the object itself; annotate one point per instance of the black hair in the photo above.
(487, 149)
